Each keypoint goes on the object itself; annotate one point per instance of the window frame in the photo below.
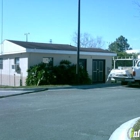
(83, 61)
(138, 64)
(50, 60)
(1, 63)
(17, 62)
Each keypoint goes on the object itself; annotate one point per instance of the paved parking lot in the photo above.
(68, 114)
(8, 92)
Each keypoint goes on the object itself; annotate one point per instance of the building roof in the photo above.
(50, 46)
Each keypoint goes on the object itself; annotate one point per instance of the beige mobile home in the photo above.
(17, 56)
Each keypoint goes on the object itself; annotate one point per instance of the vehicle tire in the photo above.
(129, 84)
(124, 83)
(139, 83)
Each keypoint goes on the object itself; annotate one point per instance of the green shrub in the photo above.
(84, 77)
(35, 74)
(65, 62)
(40, 74)
(64, 73)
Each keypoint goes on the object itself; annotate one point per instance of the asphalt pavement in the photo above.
(8, 92)
(68, 114)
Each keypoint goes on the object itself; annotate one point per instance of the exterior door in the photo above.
(98, 71)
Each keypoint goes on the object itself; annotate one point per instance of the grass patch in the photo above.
(136, 127)
(42, 86)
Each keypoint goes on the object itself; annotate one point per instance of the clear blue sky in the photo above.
(57, 20)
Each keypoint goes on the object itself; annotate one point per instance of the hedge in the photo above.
(64, 73)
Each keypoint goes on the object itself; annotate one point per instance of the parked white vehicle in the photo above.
(126, 74)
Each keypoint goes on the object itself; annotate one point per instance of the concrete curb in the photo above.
(32, 90)
(121, 133)
(21, 89)
(23, 93)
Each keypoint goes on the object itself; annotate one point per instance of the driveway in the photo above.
(68, 114)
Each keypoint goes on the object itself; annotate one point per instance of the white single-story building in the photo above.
(17, 56)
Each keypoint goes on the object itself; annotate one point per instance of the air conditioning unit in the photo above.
(17, 68)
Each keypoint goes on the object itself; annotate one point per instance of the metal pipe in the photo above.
(14, 80)
(114, 64)
(9, 70)
(26, 34)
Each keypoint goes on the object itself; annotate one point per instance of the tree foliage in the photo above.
(87, 41)
(120, 45)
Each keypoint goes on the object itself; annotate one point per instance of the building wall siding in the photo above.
(35, 58)
(12, 78)
(9, 47)
(9, 76)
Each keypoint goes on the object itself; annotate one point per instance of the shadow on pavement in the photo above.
(84, 87)
(101, 86)
(134, 86)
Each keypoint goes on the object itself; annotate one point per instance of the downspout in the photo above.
(14, 80)
(9, 71)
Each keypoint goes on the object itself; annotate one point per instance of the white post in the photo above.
(114, 63)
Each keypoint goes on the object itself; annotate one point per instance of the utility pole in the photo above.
(26, 34)
(1, 26)
(78, 42)
(1, 35)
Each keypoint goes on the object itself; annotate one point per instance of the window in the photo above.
(17, 61)
(138, 65)
(16, 66)
(48, 60)
(83, 63)
(1, 63)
